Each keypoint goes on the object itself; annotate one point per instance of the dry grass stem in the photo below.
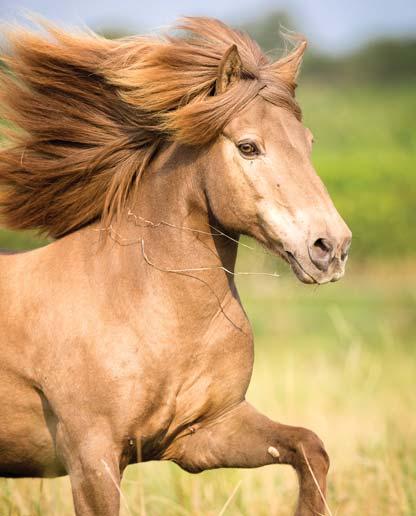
(316, 482)
(227, 503)
(122, 497)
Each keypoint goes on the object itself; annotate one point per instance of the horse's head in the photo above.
(211, 90)
(262, 183)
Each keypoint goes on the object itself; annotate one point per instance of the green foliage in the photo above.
(20, 240)
(267, 30)
(381, 61)
(365, 152)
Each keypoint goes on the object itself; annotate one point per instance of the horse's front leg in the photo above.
(244, 438)
(93, 466)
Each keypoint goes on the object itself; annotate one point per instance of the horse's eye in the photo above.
(248, 149)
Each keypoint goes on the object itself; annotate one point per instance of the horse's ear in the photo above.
(229, 70)
(288, 67)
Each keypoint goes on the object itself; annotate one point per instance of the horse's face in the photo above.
(262, 183)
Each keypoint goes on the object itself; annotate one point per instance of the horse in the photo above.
(124, 340)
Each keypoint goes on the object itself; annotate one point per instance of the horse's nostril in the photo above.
(345, 248)
(324, 245)
(321, 253)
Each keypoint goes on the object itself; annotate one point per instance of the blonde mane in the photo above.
(87, 114)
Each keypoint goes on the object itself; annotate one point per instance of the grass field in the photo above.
(338, 359)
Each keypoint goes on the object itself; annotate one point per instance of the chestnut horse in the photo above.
(125, 340)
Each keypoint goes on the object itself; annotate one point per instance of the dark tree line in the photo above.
(380, 60)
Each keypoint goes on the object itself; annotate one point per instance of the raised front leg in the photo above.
(244, 438)
(93, 466)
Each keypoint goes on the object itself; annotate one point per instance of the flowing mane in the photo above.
(87, 114)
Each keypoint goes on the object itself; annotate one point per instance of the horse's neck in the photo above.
(165, 243)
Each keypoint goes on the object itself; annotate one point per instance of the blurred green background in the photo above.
(339, 359)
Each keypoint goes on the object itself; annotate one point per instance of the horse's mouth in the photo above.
(299, 271)
(297, 268)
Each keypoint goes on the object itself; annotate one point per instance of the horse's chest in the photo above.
(213, 376)
(184, 378)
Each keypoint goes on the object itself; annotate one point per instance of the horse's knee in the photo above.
(312, 450)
